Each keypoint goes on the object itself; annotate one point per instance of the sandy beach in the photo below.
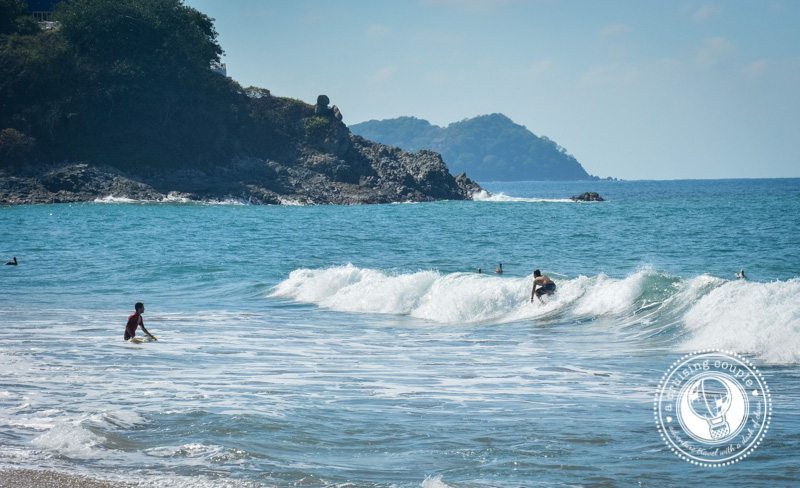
(29, 478)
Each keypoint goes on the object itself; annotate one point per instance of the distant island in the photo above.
(487, 147)
(129, 98)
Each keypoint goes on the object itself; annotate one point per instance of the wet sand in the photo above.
(29, 478)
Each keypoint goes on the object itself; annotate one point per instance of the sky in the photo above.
(634, 89)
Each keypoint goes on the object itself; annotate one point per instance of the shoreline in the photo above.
(43, 478)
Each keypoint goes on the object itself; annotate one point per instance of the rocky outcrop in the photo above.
(589, 196)
(71, 183)
(379, 174)
(321, 162)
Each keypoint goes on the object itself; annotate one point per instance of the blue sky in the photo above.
(634, 89)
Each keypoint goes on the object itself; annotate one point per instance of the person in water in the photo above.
(499, 269)
(545, 284)
(135, 321)
(741, 275)
(13, 262)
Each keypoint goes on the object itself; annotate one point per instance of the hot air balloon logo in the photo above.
(712, 408)
(710, 398)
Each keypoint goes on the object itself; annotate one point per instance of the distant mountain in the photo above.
(488, 147)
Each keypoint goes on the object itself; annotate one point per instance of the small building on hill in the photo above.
(42, 10)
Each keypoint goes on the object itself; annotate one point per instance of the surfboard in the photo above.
(141, 340)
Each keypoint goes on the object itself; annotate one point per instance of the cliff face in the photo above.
(326, 164)
(488, 147)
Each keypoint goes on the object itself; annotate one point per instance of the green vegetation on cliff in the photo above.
(129, 83)
(488, 147)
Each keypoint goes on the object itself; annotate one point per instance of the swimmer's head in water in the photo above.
(537, 273)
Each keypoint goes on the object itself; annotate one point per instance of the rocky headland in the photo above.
(328, 165)
(87, 113)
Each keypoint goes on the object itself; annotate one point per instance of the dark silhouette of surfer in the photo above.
(13, 262)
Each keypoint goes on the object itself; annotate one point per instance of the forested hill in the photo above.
(488, 147)
(130, 92)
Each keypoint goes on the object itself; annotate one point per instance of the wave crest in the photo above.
(702, 312)
(455, 297)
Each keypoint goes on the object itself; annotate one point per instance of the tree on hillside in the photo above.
(14, 18)
(121, 82)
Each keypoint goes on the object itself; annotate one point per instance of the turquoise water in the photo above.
(356, 346)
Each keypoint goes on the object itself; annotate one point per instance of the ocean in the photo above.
(357, 346)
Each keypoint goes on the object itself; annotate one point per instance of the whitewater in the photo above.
(359, 346)
(758, 318)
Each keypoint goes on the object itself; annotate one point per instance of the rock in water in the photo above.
(589, 196)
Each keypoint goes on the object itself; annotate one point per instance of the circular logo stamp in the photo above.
(712, 408)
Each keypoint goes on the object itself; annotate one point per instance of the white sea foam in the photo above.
(192, 450)
(113, 199)
(172, 197)
(608, 296)
(485, 196)
(14, 454)
(225, 201)
(455, 297)
(291, 202)
(118, 419)
(29, 424)
(196, 450)
(434, 482)
(756, 318)
(459, 297)
(68, 439)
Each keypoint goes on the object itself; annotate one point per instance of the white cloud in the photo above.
(383, 74)
(705, 12)
(612, 30)
(713, 51)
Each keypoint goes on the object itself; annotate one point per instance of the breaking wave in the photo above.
(485, 196)
(700, 312)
